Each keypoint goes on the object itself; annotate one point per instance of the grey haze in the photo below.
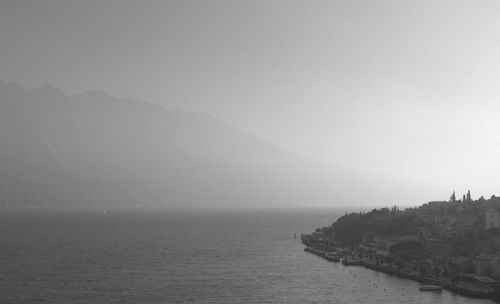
(402, 93)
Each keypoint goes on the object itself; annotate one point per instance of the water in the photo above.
(160, 256)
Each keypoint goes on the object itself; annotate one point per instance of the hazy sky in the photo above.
(403, 89)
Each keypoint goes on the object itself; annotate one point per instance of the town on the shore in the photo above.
(453, 244)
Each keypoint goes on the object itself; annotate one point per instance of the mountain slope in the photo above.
(95, 148)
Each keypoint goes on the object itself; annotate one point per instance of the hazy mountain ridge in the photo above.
(95, 147)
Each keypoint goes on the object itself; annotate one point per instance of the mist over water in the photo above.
(169, 151)
(183, 256)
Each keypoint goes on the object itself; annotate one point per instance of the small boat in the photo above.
(332, 257)
(315, 251)
(351, 261)
(430, 287)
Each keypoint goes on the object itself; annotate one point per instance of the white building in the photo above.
(491, 219)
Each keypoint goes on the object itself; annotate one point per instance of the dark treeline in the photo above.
(350, 227)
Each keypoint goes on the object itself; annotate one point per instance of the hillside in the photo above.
(447, 221)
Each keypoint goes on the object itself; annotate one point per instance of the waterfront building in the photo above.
(491, 219)
(436, 247)
(495, 258)
(368, 240)
(383, 244)
(483, 265)
(461, 264)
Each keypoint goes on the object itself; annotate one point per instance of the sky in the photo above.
(401, 90)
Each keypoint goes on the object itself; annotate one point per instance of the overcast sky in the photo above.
(400, 89)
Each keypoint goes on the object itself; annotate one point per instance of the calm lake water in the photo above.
(161, 256)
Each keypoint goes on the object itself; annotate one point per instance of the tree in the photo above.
(469, 199)
(394, 209)
(406, 248)
(453, 198)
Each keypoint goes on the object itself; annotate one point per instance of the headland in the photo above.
(454, 244)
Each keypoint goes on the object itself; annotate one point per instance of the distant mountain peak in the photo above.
(102, 98)
(50, 90)
(96, 95)
(99, 93)
(48, 87)
(11, 85)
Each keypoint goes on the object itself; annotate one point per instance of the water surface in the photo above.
(183, 256)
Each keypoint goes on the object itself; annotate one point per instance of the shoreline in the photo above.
(477, 294)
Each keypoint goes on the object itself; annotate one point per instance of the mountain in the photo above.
(95, 149)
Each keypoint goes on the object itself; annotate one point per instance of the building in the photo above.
(368, 239)
(491, 219)
(483, 265)
(436, 247)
